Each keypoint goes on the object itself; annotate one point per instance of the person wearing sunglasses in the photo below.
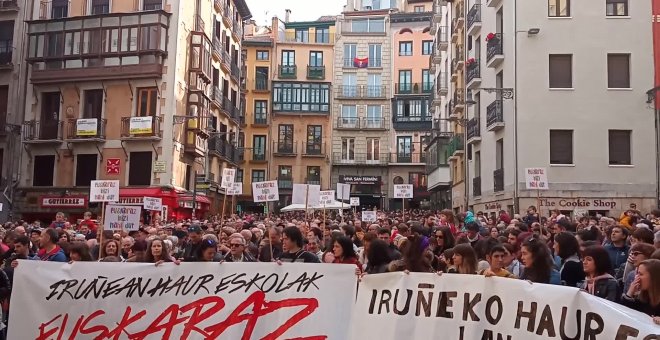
(237, 251)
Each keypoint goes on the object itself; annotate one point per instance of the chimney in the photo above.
(287, 15)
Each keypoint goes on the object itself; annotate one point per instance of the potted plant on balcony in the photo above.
(470, 62)
(492, 38)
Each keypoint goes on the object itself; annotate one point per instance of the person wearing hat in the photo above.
(191, 248)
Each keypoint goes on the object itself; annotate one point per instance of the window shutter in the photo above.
(618, 70)
(619, 147)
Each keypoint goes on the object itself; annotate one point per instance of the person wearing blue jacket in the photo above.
(618, 247)
(49, 250)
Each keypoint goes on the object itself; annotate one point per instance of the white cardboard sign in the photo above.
(236, 189)
(306, 194)
(265, 191)
(355, 201)
(343, 191)
(536, 179)
(104, 191)
(122, 217)
(153, 203)
(403, 191)
(326, 197)
(369, 216)
(228, 176)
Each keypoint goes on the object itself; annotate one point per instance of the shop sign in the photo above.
(131, 200)
(573, 203)
(360, 180)
(493, 206)
(63, 202)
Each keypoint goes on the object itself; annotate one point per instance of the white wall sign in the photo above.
(306, 194)
(265, 191)
(369, 216)
(355, 201)
(326, 197)
(403, 191)
(343, 191)
(86, 127)
(536, 179)
(159, 167)
(228, 176)
(122, 217)
(153, 203)
(104, 191)
(141, 125)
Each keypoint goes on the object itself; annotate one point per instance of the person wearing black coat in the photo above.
(567, 247)
(598, 281)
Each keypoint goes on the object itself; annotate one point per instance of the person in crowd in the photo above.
(238, 250)
(110, 247)
(384, 235)
(495, 259)
(50, 251)
(538, 263)
(378, 257)
(22, 251)
(88, 224)
(59, 221)
(639, 253)
(208, 252)
(511, 262)
(447, 219)
(314, 245)
(191, 248)
(344, 252)
(643, 295)
(79, 252)
(531, 217)
(138, 251)
(464, 259)
(292, 243)
(597, 267)
(443, 239)
(567, 248)
(618, 247)
(472, 233)
(415, 256)
(157, 252)
(271, 245)
(126, 244)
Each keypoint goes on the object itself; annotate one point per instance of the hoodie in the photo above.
(603, 286)
(55, 255)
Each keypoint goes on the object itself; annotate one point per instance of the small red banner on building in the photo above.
(113, 166)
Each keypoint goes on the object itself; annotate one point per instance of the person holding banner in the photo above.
(538, 263)
(415, 256)
(157, 252)
(464, 259)
(344, 252)
(237, 250)
(110, 248)
(292, 243)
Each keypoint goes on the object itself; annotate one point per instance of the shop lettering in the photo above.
(578, 203)
(63, 202)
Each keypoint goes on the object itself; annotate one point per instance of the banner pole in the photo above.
(403, 205)
(224, 205)
(101, 226)
(538, 203)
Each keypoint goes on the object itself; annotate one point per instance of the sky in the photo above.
(301, 10)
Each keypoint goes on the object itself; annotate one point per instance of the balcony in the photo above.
(493, 3)
(194, 145)
(314, 149)
(412, 123)
(261, 85)
(217, 48)
(288, 71)
(38, 132)
(347, 123)
(458, 104)
(412, 157)
(5, 57)
(476, 186)
(473, 76)
(314, 181)
(90, 59)
(498, 180)
(473, 131)
(495, 115)
(362, 91)
(316, 72)
(86, 129)
(218, 146)
(237, 29)
(356, 63)
(413, 88)
(8, 5)
(441, 38)
(474, 20)
(441, 87)
(141, 128)
(362, 159)
(306, 38)
(235, 72)
(456, 146)
(285, 149)
(494, 50)
(285, 183)
(375, 123)
(230, 109)
(225, 63)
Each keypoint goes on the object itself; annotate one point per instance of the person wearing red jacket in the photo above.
(88, 222)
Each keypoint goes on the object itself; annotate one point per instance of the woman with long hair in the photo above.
(536, 257)
(644, 293)
(157, 252)
(443, 240)
(208, 252)
(414, 256)
(378, 257)
(79, 252)
(344, 251)
(597, 268)
(465, 259)
(566, 246)
(110, 247)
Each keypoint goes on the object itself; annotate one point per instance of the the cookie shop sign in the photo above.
(63, 202)
(580, 203)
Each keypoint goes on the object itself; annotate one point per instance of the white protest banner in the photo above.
(91, 300)
(465, 307)
(104, 191)
(236, 189)
(403, 191)
(326, 197)
(369, 216)
(86, 127)
(228, 176)
(122, 217)
(153, 203)
(536, 179)
(306, 194)
(355, 201)
(141, 125)
(343, 191)
(265, 191)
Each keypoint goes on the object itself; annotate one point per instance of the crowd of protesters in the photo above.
(617, 259)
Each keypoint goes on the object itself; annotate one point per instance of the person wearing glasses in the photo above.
(237, 253)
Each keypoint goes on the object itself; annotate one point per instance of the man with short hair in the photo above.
(50, 251)
(35, 235)
(274, 240)
(237, 250)
(194, 241)
(384, 235)
(314, 246)
(292, 243)
(618, 248)
(496, 260)
(59, 221)
(126, 245)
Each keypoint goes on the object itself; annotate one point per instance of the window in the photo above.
(405, 81)
(258, 176)
(349, 118)
(263, 55)
(499, 154)
(477, 164)
(43, 171)
(4, 102)
(619, 147)
(147, 102)
(93, 106)
(348, 149)
(152, 5)
(349, 83)
(316, 58)
(561, 146)
(60, 9)
(559, 8)
(259, 148)
(285, 172)
(350, 53)
(314, 139)
(301, 97)
(618, 71)
(314, 175)
(260, 112)
(85, 169)
(261, 78)
(322, 35)
(616, 7)
(405, 48)
(374, 85)
(139, 168)
(288, 58)
(411, 110)
(375, 117)
(561, 71)
(404, 146)
(427, 81)
(375, 55)
(368, 25)
(285, 138)
(302, 35)
(100, 7)
(427, 47)
(419, 9)
(373, 150)
(239, 175)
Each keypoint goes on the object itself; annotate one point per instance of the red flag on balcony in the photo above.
(361, 62)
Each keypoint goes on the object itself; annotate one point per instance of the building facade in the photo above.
(537, 100)
(144, 92)
(300, 127)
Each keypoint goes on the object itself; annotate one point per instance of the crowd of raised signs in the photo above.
(617, 259)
